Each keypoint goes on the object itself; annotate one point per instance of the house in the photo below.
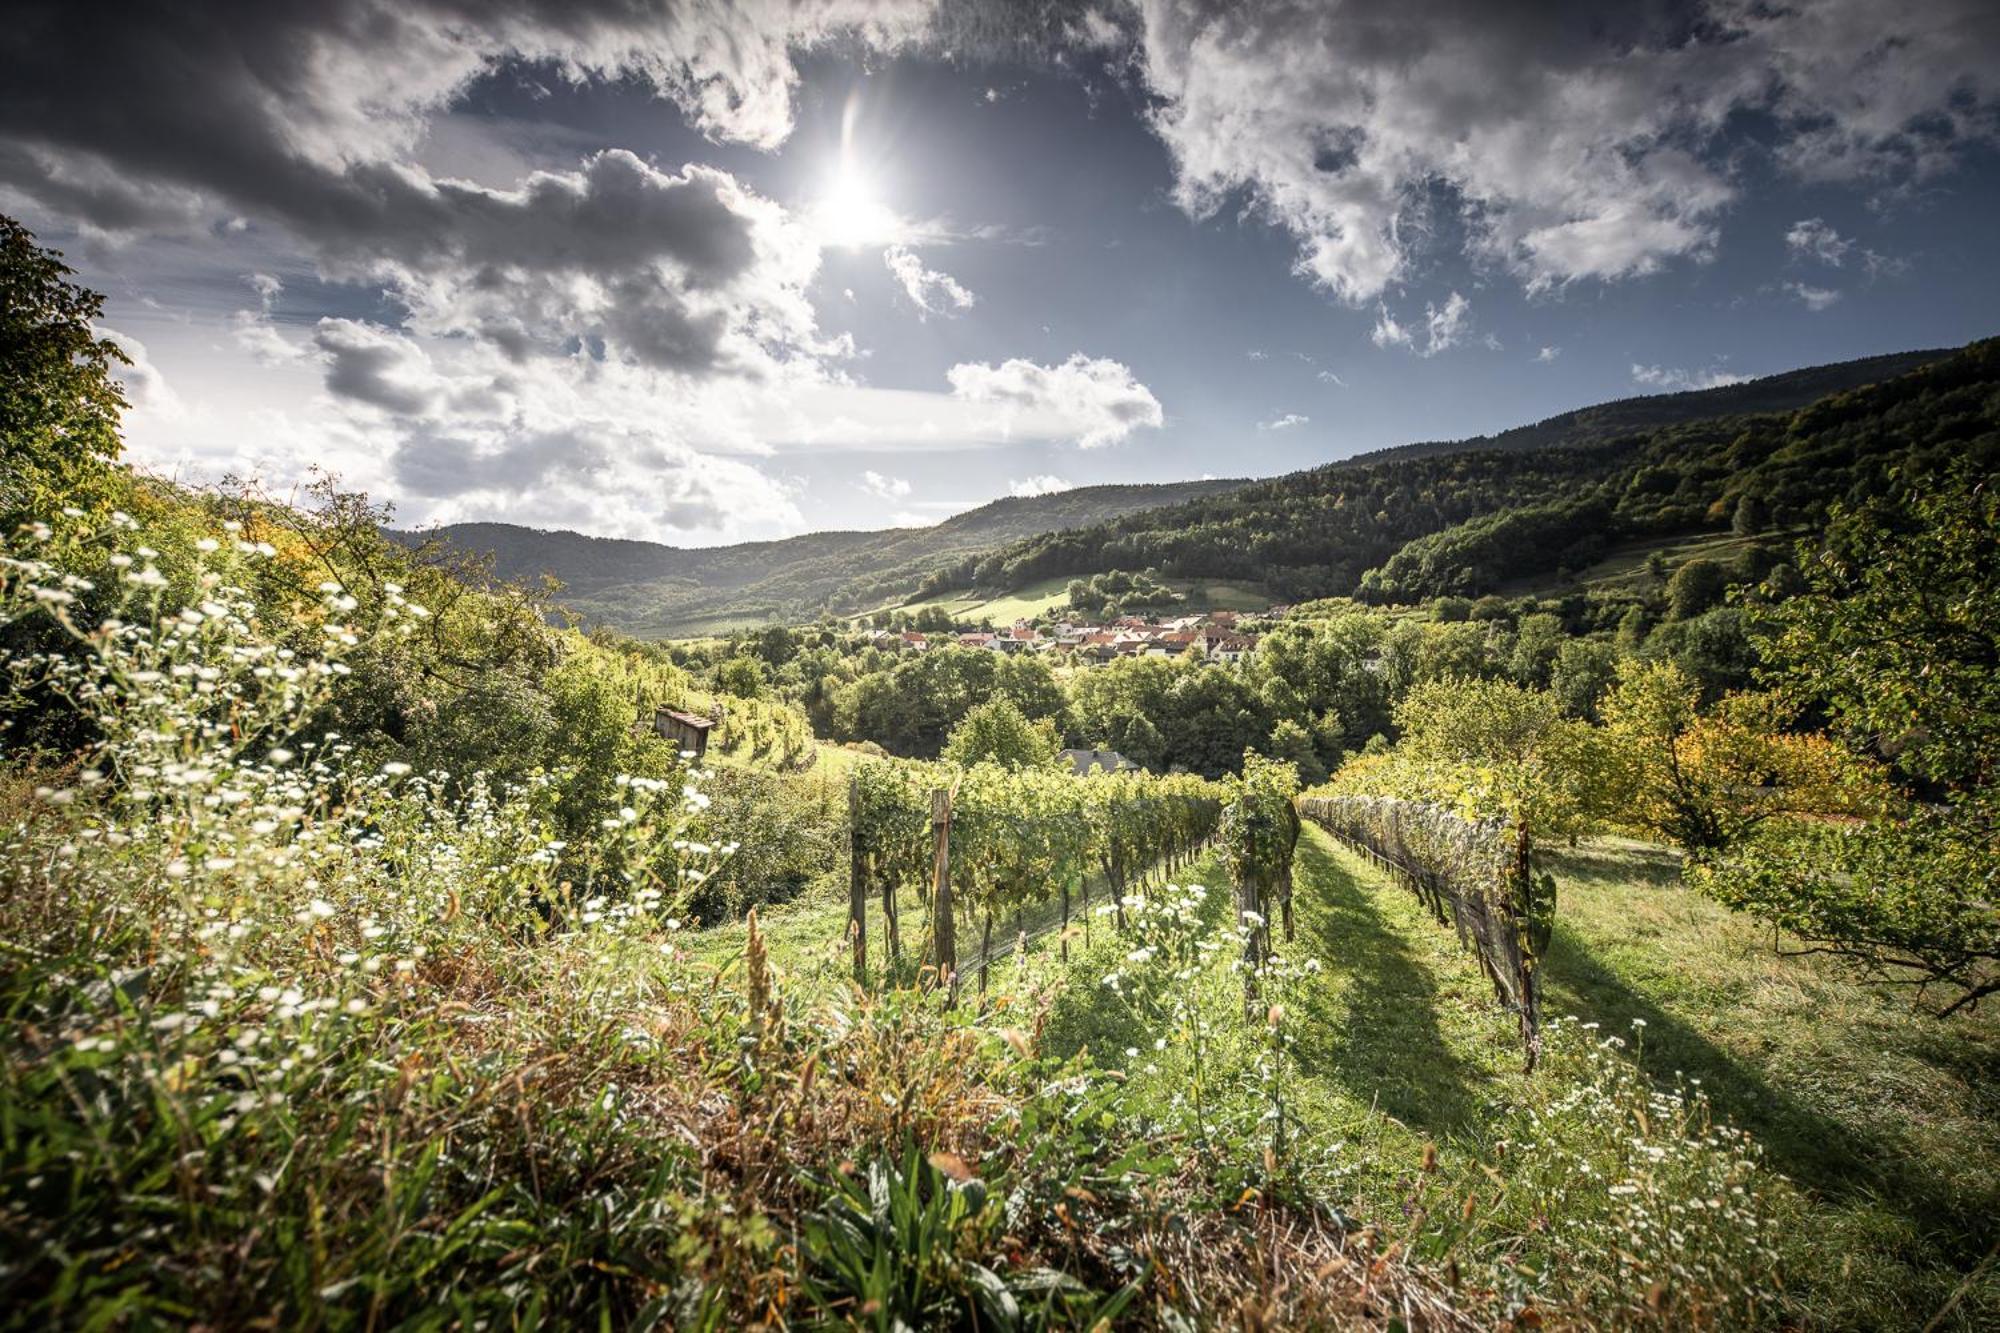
(1225, 647)
(1085, 762)
(687, 731)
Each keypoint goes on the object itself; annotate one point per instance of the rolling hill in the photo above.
(649, 589)
(1317, 532)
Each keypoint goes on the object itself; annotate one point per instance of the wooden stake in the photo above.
(944, 947)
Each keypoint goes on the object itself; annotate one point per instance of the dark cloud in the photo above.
(304, 114)
(374, 366)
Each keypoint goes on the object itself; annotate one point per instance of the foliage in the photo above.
(1489, 749)
(59, 400)
(998, 732)
(911, 708)
(1898, 639)
(1695, 587)
(1707, 779)
(1473, 874)
(1115, 593)
(1480, 554)
(785, 833)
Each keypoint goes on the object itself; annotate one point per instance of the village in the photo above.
(1217, 636)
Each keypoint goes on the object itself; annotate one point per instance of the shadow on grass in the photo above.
(1815, 1150)
(1391, 1049)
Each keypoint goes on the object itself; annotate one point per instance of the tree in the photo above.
(1489, 748)
(1752, 515)
(740, 676)
(1537, 645)
(1695, 587)
(1291, 743)
(1583, 671)
(59, 404)
(999, 732)
(1897, 639)
(1705, 780)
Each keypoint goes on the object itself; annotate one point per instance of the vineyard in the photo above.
(989, 842)
(380, 951)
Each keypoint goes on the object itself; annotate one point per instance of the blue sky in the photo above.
(704, 273)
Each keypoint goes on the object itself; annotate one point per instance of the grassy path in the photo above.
(1887, 1120)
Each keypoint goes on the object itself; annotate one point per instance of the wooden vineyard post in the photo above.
(944, 947)
(1064, 935)
(857, 883)
(892, 929)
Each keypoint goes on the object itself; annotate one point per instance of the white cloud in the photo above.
(932, 291)
(1040, 484)
(1092, 400)
(1573, 145)
(1285, 422)
(146, 389)
(1446, 324)
(1258, 354)
(1814, 298)
(1812, 238)
(1387, 332)
(1675, 380)
(1444, 327)
(1328, 377)
(1548, 354)
(884, 488)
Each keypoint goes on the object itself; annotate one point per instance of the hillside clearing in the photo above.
(1046, 596)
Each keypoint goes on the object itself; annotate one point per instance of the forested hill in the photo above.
(1430, 521)
(1626, 416)
(648, 588)
(1314, 533)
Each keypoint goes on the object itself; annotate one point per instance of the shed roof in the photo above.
(687, 719)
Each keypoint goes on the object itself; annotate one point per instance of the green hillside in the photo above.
(649, 589)
(1552, 503)
(1310, 534)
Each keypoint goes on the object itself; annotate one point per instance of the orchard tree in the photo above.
(1897, 639)
(1705, 779)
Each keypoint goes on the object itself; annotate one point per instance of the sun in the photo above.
(850, 214)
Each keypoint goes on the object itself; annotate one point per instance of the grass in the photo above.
(1624, 570)
(1884, 1123)
(1884, 1119)
(1047, 595)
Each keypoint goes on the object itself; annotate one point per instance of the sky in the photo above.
(708, 272)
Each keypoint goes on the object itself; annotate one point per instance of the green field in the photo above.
(1047, 595)
(1877, 1125)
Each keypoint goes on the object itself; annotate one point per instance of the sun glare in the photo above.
(849, 214)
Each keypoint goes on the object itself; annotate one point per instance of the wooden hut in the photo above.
(688, 731)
